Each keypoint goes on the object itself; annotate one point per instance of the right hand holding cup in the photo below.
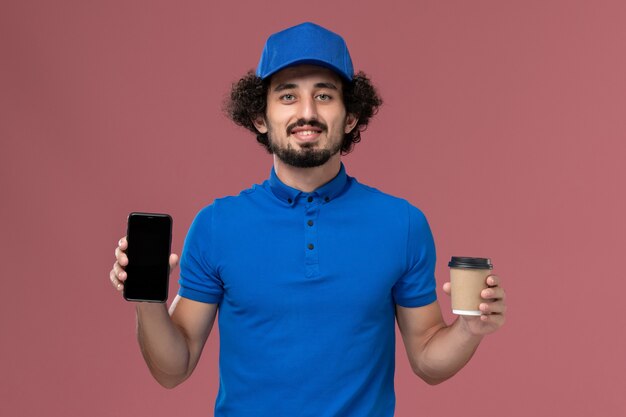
(477, 296)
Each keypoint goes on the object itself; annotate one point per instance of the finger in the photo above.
(493, 293)
(494, 319)
(493, 280)
(496, 307)
(173, 261)
(120, 273)
(116, 283)
(123, 243)
(121, 257)
(447, 288)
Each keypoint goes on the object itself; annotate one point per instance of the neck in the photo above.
(307, 179)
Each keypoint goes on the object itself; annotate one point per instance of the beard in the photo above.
(307, 156)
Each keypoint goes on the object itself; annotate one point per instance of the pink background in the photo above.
(503, 121)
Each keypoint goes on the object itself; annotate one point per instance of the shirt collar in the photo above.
(326, 192)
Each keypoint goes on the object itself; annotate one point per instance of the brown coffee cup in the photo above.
(468, 277)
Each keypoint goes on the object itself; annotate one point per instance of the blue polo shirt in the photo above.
(307, 285)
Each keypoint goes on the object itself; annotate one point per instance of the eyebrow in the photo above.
(289, 86)
(284, 86)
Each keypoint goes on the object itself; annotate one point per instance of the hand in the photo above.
(493, 309)
(118, 273)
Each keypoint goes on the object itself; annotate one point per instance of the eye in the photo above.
(324, 97)
(287, 97)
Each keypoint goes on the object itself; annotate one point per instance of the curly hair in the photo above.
(248, 99)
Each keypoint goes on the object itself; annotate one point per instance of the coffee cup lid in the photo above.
(472, 263)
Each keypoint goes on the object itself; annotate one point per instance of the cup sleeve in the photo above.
(417, 286)
(199, 279)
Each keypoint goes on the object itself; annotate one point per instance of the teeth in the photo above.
(306, 132)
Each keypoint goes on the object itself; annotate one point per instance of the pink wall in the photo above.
(504, 122)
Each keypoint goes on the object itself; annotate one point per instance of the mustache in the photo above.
(304, 122)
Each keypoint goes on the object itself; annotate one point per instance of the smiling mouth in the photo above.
(306, 133)
(306, 127)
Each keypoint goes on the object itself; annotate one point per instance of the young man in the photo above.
(311, 269)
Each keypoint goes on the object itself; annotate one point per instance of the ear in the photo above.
(259, 123)
(351, 121)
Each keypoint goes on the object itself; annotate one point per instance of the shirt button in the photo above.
(310, 222)
(311, 246)
(326, 199)
(310, 199)
(289, 200)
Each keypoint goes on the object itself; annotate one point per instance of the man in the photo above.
(310, 269)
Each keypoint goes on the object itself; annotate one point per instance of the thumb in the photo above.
(447, 288)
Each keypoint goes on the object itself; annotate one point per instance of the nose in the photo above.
(307, 109)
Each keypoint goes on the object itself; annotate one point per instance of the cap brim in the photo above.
(309, 61)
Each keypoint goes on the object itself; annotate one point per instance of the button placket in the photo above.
(310, 234)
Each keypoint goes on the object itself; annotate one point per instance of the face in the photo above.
(305, 119)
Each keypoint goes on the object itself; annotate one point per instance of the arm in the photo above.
(437, 351)
(171, 343)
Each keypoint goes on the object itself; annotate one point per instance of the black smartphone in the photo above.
(149, 237)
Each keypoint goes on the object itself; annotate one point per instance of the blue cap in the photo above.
(306, 43)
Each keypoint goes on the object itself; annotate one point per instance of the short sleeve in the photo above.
(417, 286)
(199, 280)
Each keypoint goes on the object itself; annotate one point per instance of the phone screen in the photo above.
(149, 238)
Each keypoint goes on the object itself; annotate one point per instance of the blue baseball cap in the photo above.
(306, 43)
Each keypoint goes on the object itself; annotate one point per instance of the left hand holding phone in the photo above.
(118, 273)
